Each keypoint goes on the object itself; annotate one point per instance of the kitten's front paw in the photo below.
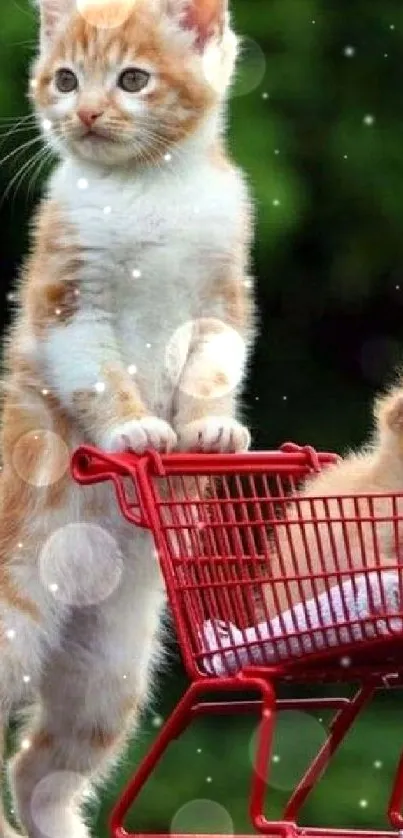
(139, 434)
(216, 434)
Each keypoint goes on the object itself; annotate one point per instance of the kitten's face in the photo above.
(125, 80)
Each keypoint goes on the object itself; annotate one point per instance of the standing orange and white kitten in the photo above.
(133, 330)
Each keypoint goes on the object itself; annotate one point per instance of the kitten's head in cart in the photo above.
(123, 81)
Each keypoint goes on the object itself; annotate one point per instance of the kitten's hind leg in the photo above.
(90, 699)
(23, 648)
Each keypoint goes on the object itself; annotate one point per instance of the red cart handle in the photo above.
(90, 465)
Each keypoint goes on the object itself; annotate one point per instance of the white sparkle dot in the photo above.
(10, 296)
(385, 55)
(77, 292)
(58, 311)
(369, 119)
(26, 744)
(10, 634)
(397, 287)
(349, 51)
(285, 398)
(53, 587)
(248, 283)
(100, 387)
(276, 202)
(107, 210)
(26, 679)
(345, 156)
(378, 763)
(20, 544)
(124, 677)
(345, 662)
(320, 720)
(136, 274)
(33, 84)
(265, 95)
(132, 369)
(82, 183)
(392, 26)
(148, 345)
(209, 779)
(314, 21)
(275, 758)
(167, 157)
(256, 398)
(363, 804)
(45, 392)
(157, 721)
(277, 151)
(199, 750)
(46, 124)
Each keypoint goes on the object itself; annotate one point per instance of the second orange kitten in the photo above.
(322, 536)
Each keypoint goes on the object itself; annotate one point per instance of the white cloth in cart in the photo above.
(344, 614)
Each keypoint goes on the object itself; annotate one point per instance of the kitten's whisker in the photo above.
(17, 125)
(48, 154)
(170, 140)
(156, 145)
(32, 170)
(20, 175)
(20, 149)
(27, 44)
(154, 138)
(29, 13)
(167, 141)
(17, 179)
(24, 118)
(11, 131)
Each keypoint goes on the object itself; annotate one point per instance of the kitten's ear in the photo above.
(52, 12)
(207, 18)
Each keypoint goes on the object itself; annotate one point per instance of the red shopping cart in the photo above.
(220, 523)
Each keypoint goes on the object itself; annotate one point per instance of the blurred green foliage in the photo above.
(213, 760)
(321, 138)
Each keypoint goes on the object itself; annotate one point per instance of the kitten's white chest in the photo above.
(153, 243)
(185, 212)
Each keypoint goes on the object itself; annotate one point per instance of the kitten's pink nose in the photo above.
(88, 116)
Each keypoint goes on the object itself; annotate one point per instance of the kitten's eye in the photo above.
(133, 80)
(66, 81)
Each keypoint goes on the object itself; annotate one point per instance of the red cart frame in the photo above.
(213, 519)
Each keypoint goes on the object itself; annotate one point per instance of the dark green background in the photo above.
(328, 259)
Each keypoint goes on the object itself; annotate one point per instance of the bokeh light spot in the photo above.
(297, 739)
(202, 816)
(41, 458)
(81, 564)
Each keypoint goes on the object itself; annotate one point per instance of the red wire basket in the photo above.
(265, 585)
